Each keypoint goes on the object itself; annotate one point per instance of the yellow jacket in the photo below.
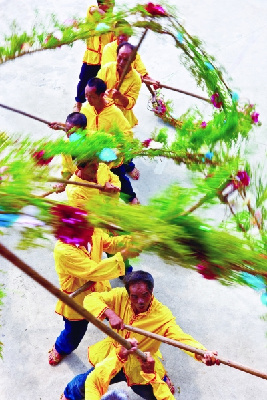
(130, 88)
(158, 319)
(78, 195)
(95, 44)
(97, 382)
(110, 54)
(75, 266)
(111, 116)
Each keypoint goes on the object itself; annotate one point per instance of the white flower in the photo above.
(58, 35)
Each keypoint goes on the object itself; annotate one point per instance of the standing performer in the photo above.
(92, 56)
(110, 73)
(102, 113)
(75, 265)
(123, 33)
(133, 305)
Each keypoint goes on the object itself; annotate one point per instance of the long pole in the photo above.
(132, 57)
(25, 114)
(186, 347)
(187, 93)
(4, 252)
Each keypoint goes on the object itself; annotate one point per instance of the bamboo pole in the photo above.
(187, 93)
(81, 289)
(67, 182)
(4, 252)
(186, 347)
(26, 114)
(132, 57)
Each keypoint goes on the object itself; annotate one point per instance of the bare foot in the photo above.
(170, 384)
(134, 174)
(135, 201)
(77, 107)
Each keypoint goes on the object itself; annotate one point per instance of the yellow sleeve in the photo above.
(68, 164)
(97, 382)
(78, 264)
(160, 388)
(121, 122)
(133, 91)
(139, 65)
(174, 331)
(96, 302)
(114, 244)
(107, 55)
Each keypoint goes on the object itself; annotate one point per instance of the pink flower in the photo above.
(155, 9)
(70, 22)
(206, 272)
(147, 142)
(40, 159)
(215, 100)
(255, 117)
(243, 178)
(159, 107)
(203, 124)
(70, 224)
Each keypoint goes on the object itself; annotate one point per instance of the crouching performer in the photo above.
(133, 305)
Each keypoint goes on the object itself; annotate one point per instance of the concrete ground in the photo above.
(223, 318)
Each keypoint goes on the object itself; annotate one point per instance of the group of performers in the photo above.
(103, 64)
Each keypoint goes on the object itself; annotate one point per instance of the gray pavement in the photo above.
(223, 318)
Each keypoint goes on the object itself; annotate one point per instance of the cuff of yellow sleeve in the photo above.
(121, 264)
(149, 377)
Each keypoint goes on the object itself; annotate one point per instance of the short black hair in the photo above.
(77, 119)
(99, 84)
(139, 276)
(127, 44)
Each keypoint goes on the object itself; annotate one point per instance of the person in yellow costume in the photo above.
(102, 113)
(94, 48)
(98, 379)
(104, 176)
(123, 33)
(126, 97)
(77, 264)
(134, 305)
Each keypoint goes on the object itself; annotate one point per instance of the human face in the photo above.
(90, 170)
(122, 58)
(122, 37)
(70, 128)
(140, 297)
(92, 97)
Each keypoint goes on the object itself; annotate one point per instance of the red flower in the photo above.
(203, 124)
(255, 117)
(147, 142)
(206, 272)
(243, 178)
(40, 159)
(71, 225)
(214, 99)
(155, 9)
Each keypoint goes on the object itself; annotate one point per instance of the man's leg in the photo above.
(126, 186)
(87, 72)
(75, 389)
(71, 336)
(144, 391)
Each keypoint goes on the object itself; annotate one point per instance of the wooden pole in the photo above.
(187, 93)
(132, 57)
(26, 114)
(183, 346)
(81, 289)
(67, 182)
(4, 252)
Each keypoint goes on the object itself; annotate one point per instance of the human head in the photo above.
(115, 394)
(139, 285)
(88, 169)
(124, 52)
(75, 120)
(123, 31)
(105, 5)
(94, 91)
